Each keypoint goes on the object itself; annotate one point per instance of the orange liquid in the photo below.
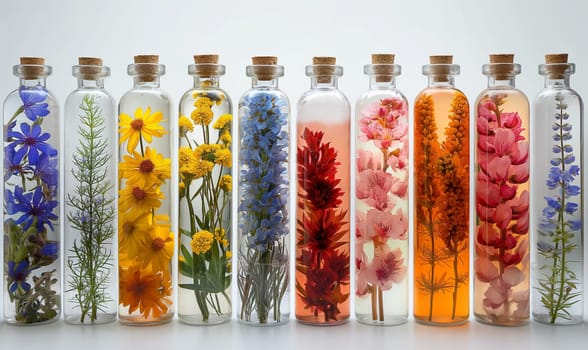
(441, 168)
(338, 135)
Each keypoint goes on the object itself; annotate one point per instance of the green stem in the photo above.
(18, 111)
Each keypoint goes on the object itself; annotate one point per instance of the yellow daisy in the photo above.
(133, 228)
(146, 171)
(145, 125)
(158, 248)
(137, 199)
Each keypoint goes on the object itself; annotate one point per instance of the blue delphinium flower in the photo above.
(32, 206)
(264, 171)
(17, 276)
(33, 104)
(31, 142)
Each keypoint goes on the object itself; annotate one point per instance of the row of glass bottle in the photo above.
(146, 244)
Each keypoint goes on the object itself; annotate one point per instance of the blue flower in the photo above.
(553, 203)
(571, 207)
(575, 225)
(32, 99)
(545, 247)
(13, 163)
(50, 249)
(555, 161)
(46, 171)
(569, 159)
(263, 184)
(17, 276)
(33, 207)
(572, 190)
(32, 142)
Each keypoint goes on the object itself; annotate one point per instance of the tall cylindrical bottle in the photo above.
(146, 243)
(323, 198)
(90, 197)
(501, 258)
(264, 191)
(558, 206)
(441, 190)
(32, 270)
(204, 164)
(381, 197)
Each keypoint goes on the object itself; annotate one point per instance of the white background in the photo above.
(62, 30)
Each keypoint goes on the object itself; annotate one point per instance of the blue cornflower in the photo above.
(33, 206)
(13, 163)
(46, 171)
(32, 102)
(32, 142)
(50, 249)
(17, 276)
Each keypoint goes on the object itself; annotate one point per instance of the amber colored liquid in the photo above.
(441, 178)
(512, 307)
(338, 135)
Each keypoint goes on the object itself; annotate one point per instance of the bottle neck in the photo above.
(146, 82)
(557, 82)
(267, 84)
(90, 83)
(204, 82)
(323, 82)
(382, 83)
(41, 81)
(496, 81)
(441, 81)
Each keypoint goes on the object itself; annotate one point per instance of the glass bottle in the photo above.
(205, 162)
(557, 188)
(381, 197)
(32, 289)
(323, 198)
(501, 258)
(441, 190)
(90, 207)
(264, 180)
(146, 243)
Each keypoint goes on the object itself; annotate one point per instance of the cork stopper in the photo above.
(90, 67)
(501, 65)
(267, 67)
(32, 67)
(147, 67)
(440, 68)
(325, 68)
(206, 65)
(384, 66)
(557, 65)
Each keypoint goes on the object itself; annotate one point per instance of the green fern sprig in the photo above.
(92, 215)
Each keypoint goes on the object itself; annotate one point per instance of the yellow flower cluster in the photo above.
(224, 121)
(202, 113)
(226, 183)
(146, 243)
(186, 125)
(202, 242)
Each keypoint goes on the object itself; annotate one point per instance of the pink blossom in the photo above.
(512, 276)
(485, 213)
(360, 228)
(497, 169)
(520, 205)
(507, 192)
(504, 141)
(521, 298)
(387, 269)
(374, 187)
(520, 153)
(503, 216)
(519, 173)
(367, 160)
(487, 194)
(384, 225)
(486, 271)
(483, 126)
(488, 234)
(486, 143)
(495, 295)
(513, 121)
(522, 225)
(361, 273)
(487, 110)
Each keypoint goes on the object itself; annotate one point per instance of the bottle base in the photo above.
(196, 320)
(284, 319)
(546, 319)
(442, 321)
(75, 319)
(501, 322)
(140, 321)
(389, 320)
(315, 321)
(15, 323)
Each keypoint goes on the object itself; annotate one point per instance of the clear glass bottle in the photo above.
(381, 197)
(31, 193)
(441, 198)
(323, 198)
(90, 200)
(146, 243)
(263, 185)
(205, 161)
(558, 207)
(501, 257)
